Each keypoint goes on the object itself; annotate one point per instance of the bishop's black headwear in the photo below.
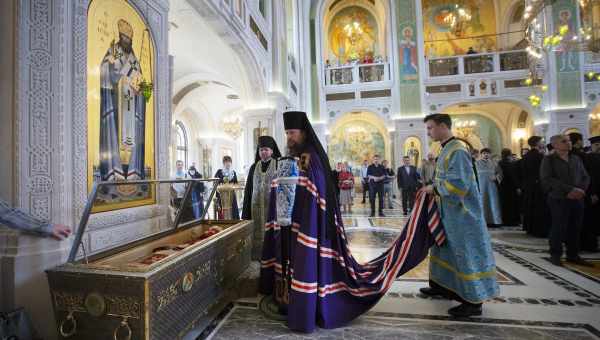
(299, 120)
(267, 142)
(595, 139)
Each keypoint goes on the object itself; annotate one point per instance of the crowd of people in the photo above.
(377, 182)
(552, 191)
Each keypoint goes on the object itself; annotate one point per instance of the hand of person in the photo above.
(595, 199)
(428, 189)
(60, 231)
(518, 191)
(576, 194)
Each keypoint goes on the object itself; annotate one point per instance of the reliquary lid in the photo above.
(181, 202)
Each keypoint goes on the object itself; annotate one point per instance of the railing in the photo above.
(478, 63)
(357, 74)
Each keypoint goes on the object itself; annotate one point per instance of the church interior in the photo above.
(137, 127)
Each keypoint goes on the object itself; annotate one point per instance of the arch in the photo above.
(229, 59)
(318, 12)
(371, 125)
(511, 19)
(513, 120)
(181, 143)
(569, 130)
(341, 8)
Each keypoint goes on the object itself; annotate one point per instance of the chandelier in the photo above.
(353, 31)
(564, 38)
(232, 127)
(458, 19)
(465, 128)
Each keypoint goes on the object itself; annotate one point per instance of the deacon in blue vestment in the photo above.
(463, 268)
(487, 173)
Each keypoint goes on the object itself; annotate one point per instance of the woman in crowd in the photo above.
(346, 184)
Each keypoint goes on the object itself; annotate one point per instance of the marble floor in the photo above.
(538, 300)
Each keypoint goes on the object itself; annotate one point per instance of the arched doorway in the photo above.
(495, 125)
(355, 137)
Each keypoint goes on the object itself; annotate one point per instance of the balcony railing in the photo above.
(478, 63)
(357, 74)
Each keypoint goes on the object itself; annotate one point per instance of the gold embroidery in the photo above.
(461, 275)
(454, 189)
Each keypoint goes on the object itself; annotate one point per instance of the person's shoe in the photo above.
(391, 207)
(381, 214)
(372, 215)
(429, 291)
(282, 310)
(465, 310)
(555, 260)
(405, 213)
(579, 261)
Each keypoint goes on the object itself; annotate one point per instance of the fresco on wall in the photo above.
(568, 84)
(439, 31)
(353, 34)
(406, 28)
(120, 103)
(355, 141)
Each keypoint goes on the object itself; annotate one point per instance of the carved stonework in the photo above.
(51, 124)
(38, 93)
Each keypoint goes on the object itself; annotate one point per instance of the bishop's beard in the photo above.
(296, 149)
(126, 46)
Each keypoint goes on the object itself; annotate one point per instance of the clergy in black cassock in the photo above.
(536, 220)
(258, 189)
(509, 200)
(591, 221)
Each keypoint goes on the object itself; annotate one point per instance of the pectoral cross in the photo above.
(128, 97)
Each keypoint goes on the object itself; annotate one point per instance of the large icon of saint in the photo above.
(122, 110)
(413, 153)
(408, 55)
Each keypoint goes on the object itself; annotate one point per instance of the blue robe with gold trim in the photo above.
(465, 263)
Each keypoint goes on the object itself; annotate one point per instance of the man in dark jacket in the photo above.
(564, 178)
(535, 211)
(376, 174)
(408, 181)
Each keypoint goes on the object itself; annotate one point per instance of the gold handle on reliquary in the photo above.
(123, 324)
(70, 318)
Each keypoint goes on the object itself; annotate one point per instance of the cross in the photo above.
(128, 99)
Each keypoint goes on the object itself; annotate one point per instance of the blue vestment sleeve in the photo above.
(18, 219)
(459, 174)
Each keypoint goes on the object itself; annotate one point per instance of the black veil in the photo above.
(299, 120)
